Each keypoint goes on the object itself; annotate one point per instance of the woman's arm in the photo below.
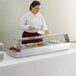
(23, 24)
(44, 26)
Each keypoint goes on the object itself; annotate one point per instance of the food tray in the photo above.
(39, 50)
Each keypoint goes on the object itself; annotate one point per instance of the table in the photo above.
(61, 63)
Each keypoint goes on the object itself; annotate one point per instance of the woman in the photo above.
(32, 22)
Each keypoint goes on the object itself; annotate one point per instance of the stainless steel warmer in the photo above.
(50, 44)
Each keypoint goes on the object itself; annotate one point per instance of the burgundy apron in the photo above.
(27, 34)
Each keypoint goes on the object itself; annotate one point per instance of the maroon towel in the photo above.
(27, 34)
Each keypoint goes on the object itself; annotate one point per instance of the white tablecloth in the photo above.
(52, 64)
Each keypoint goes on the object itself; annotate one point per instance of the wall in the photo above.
(60, 16)
(11, 12)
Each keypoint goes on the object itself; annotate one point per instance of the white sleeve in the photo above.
(44, 26)
(23, 24)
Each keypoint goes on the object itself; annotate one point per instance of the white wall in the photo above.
(10, 13)
(60, 16)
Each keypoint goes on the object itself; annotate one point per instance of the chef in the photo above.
(33, 22)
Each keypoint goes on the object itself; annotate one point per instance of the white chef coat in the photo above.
(35, 20)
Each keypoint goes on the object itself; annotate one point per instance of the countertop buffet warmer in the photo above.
(51, 43)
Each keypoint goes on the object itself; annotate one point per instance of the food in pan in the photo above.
(35, 45)
(46, 32)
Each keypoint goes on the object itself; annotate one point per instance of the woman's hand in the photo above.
(31, 28)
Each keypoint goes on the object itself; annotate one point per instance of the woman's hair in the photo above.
(33, 4)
